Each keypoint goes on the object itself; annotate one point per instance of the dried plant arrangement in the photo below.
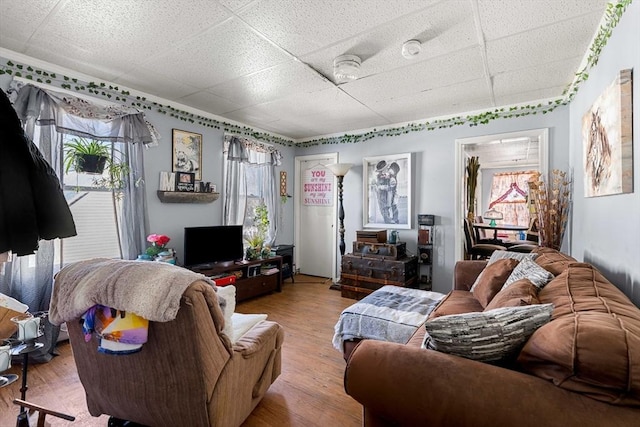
(473, 166)
(553, 203)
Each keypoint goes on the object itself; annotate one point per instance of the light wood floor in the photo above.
(309, 392)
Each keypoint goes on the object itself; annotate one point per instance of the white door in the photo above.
(315, 215)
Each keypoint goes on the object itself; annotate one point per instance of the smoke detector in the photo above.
(411, 49)
(346, 68)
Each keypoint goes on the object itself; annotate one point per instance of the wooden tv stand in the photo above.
(250, 282)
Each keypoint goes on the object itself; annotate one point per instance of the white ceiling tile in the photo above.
(18, 26)
(304, 26)
(227, 51)
(551, 43)
(207, 101)
(252, 116)
(234, 5)
(500, 18)
(543, 76)
(270, 84)
(453, 99)
(440, 28)
(531, 97)
(442, 71)
(120, 29)
(155, 84)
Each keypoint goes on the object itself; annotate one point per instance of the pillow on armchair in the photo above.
(227, 299)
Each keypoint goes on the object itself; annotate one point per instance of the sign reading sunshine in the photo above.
(317, 187)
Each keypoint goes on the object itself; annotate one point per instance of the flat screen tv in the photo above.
(204, 246)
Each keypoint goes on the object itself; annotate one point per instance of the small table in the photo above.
(24, 348)
(286, 252)
(495, 228)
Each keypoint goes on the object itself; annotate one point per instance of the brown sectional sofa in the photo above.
(580, 369)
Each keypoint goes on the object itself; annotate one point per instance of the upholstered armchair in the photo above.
(188, 373)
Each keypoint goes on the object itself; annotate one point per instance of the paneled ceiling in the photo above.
(269, 63)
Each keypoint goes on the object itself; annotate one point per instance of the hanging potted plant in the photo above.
(86, 156)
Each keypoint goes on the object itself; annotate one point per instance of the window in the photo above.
(96, 211)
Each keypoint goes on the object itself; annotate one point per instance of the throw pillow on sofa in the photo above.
(491, 280)
(520, 293)
(488, 336)
(528, 269)
(456, 302)
(498, 255)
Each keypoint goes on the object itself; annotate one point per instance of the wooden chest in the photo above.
(392, 251)
(362, 275)
(371, 236)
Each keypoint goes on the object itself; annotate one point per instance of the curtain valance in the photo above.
(76, 116)
(245, 150)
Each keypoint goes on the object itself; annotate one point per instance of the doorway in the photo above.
(514, 149)
(315, 220)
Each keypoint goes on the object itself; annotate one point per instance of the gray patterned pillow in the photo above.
(528, 269)
(488, 336)
(496, 255)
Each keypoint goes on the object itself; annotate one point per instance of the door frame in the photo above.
(297, 204)
(460, 167)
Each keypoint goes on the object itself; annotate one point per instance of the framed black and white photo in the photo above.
(187, 152)
(387, 191)
(185, 181)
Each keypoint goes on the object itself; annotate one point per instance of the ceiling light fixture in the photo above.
(346, 68)
(411, 49)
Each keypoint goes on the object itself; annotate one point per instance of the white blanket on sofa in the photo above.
(390, 313)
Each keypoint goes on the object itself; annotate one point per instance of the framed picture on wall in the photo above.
(185, 181)
(387, 191)
(187, 152)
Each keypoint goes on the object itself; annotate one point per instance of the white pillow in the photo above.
(228, 294)
(242, 323)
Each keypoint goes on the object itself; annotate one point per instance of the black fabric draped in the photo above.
(32, 204)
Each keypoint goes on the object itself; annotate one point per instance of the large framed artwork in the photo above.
(608, 140)
(387, 191)
(187, 152)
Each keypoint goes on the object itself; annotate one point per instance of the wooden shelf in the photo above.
(186, 197)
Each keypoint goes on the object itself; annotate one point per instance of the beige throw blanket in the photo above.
(149, 289)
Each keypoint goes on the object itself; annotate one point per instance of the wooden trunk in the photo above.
(362, 275)
(393, 251)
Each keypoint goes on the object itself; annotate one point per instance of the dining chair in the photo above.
(477, 250)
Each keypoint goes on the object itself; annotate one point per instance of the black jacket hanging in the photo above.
(32, 204)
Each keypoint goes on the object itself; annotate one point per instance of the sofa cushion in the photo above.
(456, 302)
(492, 279)
(489, 336)
(592, 346)
(552, 260)
(528, 269)
(498, 255)
(522, 292)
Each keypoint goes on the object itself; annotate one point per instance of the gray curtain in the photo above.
(241, 154)
(46, 116)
